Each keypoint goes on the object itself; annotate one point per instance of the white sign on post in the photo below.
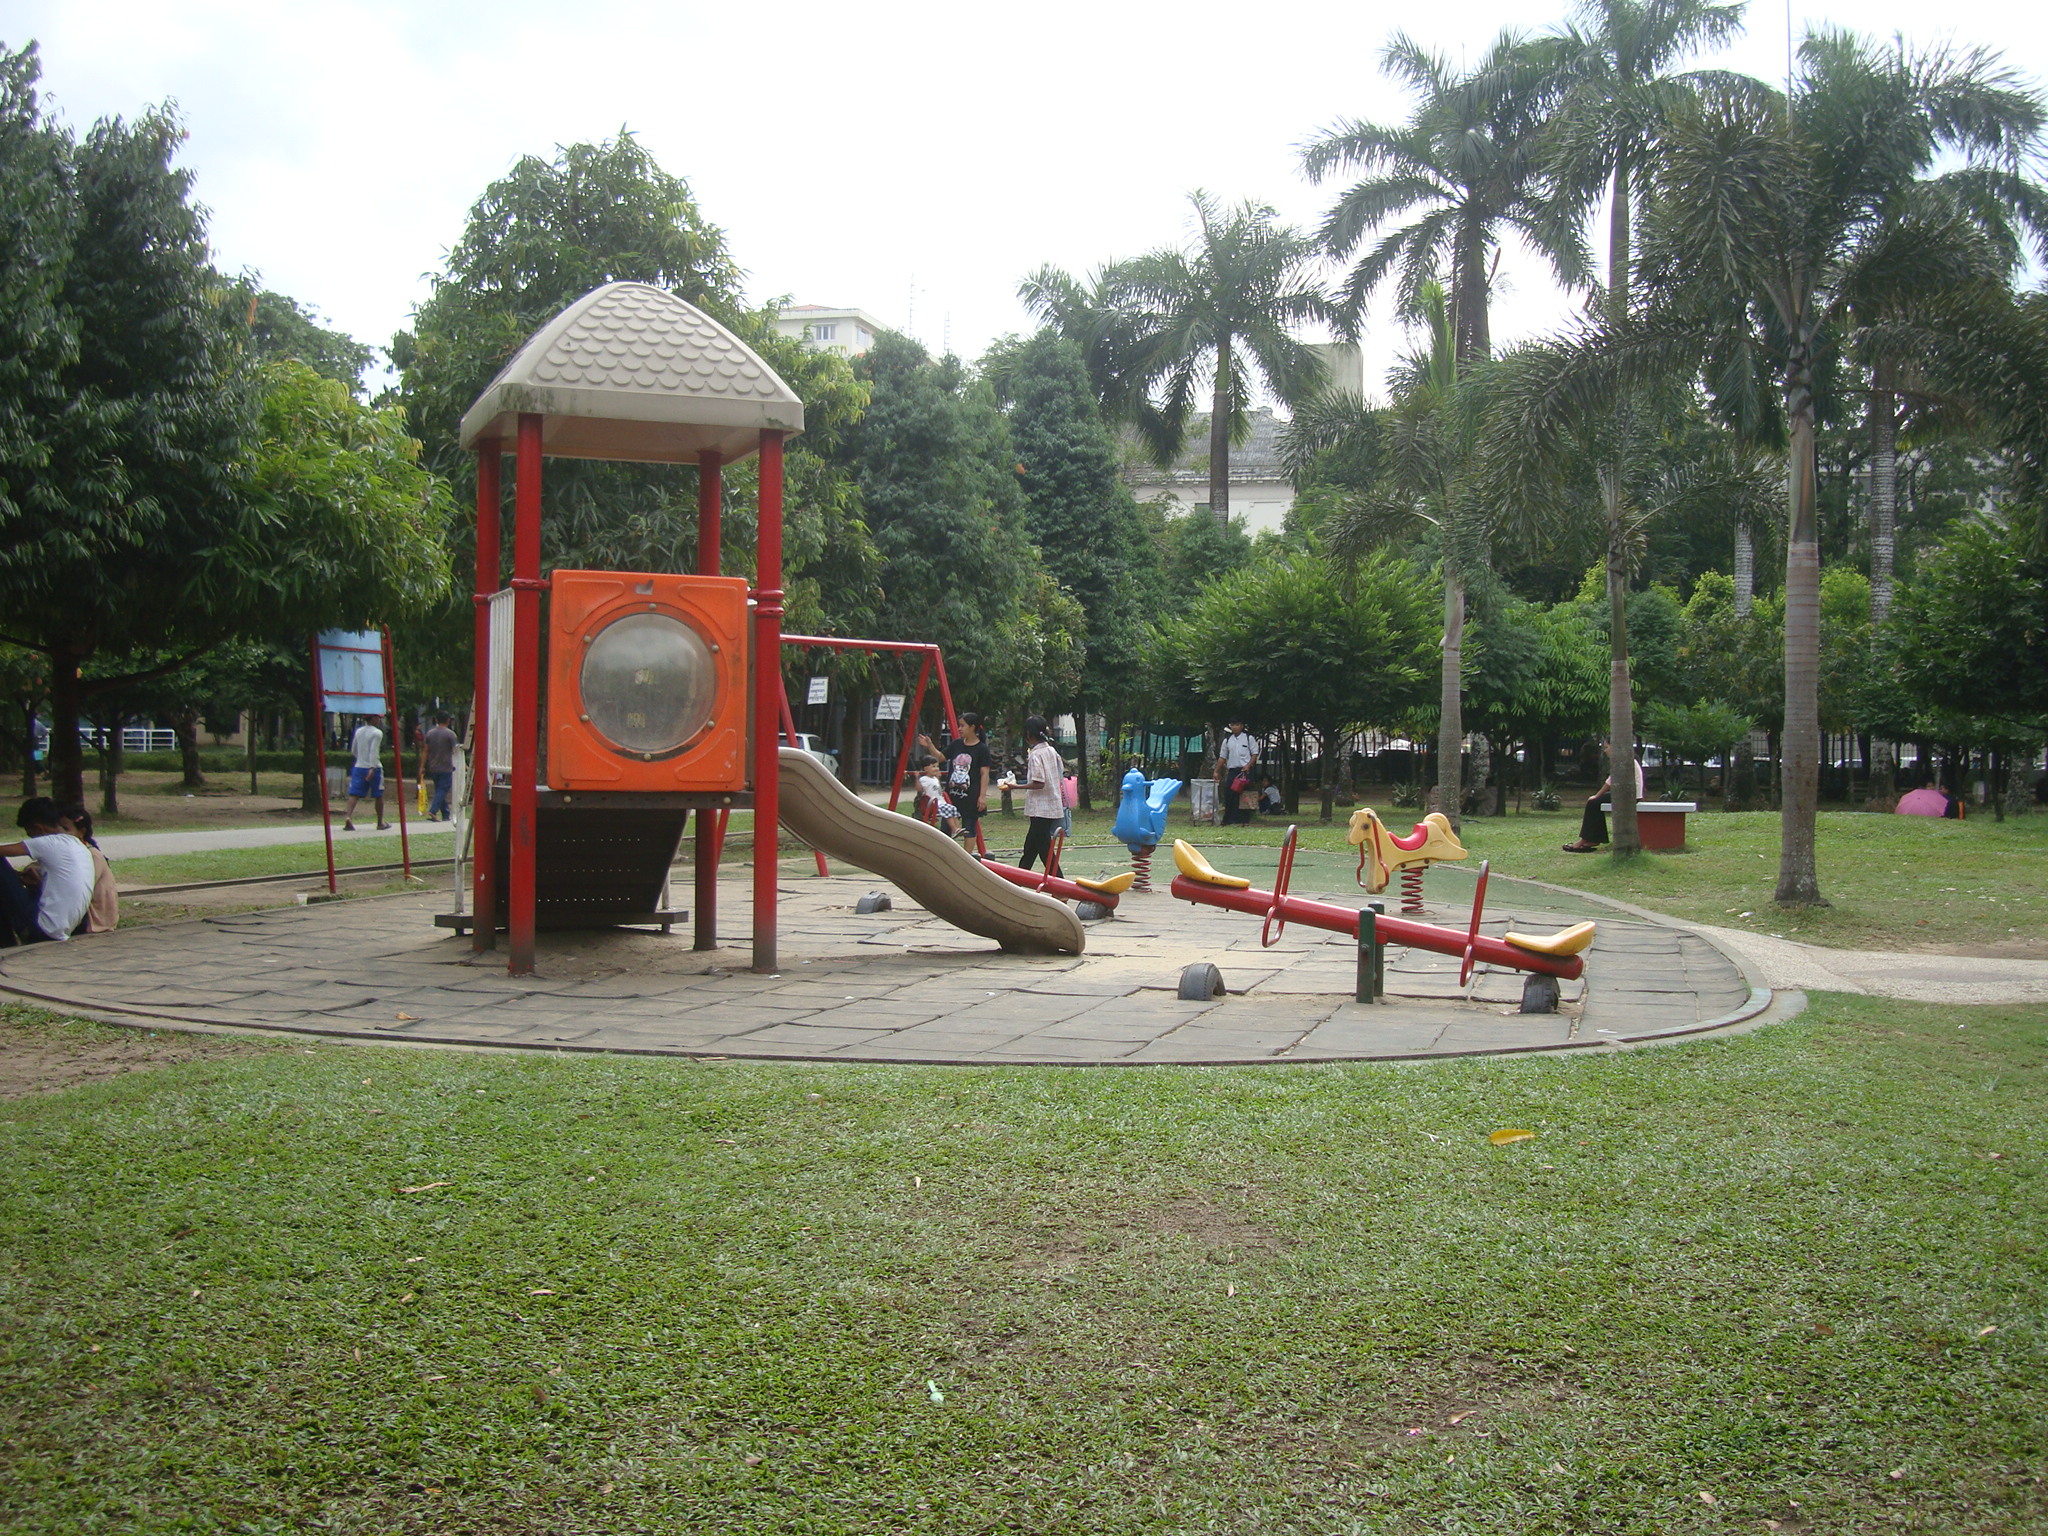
(889, 707)
(819, 688)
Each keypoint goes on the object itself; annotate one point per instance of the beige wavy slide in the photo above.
(930, 868)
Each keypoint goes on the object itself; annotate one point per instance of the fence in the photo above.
(134, 738)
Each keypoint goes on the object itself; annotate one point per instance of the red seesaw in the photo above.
(1557, 954)
(1103, 893)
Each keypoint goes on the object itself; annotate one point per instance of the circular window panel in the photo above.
(649, 684)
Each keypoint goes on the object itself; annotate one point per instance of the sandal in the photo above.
(1581, 846)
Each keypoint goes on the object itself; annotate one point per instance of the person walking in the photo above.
(1234, 762)
(437, 766)
(366, 777)
(1593, 825)
(968, 770)
(1043, 804)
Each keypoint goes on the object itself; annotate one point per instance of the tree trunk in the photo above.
(1471, 336)
(1450, 731)
(1219, 437)
(186, 723)
(28, 747)
(111, 762)
(1482, 774)
(1328, 737)
(67, 757)
(1798, 875)
(849, 745)
(1884, 498)
(1745, 571)
(1081, 754)
(1621, 715)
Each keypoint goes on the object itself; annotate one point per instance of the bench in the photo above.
(1661, 823)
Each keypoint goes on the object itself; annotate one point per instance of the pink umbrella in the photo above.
(1926, 801)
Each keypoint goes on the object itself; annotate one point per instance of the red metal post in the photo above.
(910, 723)
(397, 753)
(946, 695)
(526, 588)
(709, 828)
(483, 821)
(320, 739)
(767, 690)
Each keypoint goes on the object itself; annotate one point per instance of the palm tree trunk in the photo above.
(1621, 719)
(1472, 336)
(1219, 438)
(1745, 571)
(1450, 731)
(1798, 878)
(1884, 524)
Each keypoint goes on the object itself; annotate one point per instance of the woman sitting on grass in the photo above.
(104, 915)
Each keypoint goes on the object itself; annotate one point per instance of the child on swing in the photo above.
(933, 808)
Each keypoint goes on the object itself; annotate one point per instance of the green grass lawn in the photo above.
(1791, 1276)
(430, 842)
(1893, 881)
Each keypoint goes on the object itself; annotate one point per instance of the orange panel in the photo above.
(647, 682)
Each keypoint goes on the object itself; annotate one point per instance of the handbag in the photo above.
(1241, 783)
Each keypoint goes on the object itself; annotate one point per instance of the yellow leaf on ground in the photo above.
(420, 1189)
(1982, 1332)
(540, 1293)
(1502, 1138)
(1707, 1498)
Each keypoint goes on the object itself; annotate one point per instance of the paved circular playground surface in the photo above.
(896, 986)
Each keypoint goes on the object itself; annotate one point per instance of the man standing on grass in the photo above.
(55, 904)
(366, 778)
(1234, 761)
(437, 766)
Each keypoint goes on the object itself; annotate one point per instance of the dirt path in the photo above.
(42, 1053)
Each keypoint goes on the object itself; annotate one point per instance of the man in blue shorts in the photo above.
(366, 778)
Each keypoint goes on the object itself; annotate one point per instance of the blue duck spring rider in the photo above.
(1141, 820)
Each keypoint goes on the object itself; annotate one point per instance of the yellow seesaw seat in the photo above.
(1190, 862)
(1115, 885)
(1565, 942)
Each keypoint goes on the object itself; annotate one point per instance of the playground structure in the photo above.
(1381, 854)
(663, 692)
(1547, 957)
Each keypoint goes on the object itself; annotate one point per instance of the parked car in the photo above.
(812, 747)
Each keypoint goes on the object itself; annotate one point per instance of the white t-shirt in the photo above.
(67, 882)
(368, 744)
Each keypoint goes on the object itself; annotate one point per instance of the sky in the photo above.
(912, 160)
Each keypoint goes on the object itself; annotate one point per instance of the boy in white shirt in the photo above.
(367, 776)
(57, 903)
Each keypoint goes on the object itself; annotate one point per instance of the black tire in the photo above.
(1201, 982)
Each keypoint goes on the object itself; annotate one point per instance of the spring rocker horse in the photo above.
(1381, 853)
(1545, 957)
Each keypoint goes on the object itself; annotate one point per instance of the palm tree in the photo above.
(1771, 223)
(1427, 445)
(1223, 312)
(1617, 61)
(1467, 164)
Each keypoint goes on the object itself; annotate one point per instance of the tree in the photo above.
(1606, 126)
(1297, 638)
(281, 327)
(1222, 311)
(1427, 477)
(126, 416)
(536, 240)
(1469, 158)
(939, 480)
(1079, 513)
(1769, 219)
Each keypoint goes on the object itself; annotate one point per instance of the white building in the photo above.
(848, 331)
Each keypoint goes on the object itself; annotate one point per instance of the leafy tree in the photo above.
(1535, 673)
(1469, 163)
(280, 327)
(125, 416)
(1078, 511)
(1297, 638)
(541, 237)
(1695, 733)
(939, 480)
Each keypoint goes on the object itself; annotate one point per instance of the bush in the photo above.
(1545, 798)
(211, 760)
(1408, 796)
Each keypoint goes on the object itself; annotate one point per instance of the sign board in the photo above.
(352, 672)
(820, 686)
(889, 707)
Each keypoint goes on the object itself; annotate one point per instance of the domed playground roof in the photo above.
(629, 371)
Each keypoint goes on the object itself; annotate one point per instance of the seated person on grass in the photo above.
(49, 904)
(104, 915)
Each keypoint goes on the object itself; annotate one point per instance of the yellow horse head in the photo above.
(1432, 840)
